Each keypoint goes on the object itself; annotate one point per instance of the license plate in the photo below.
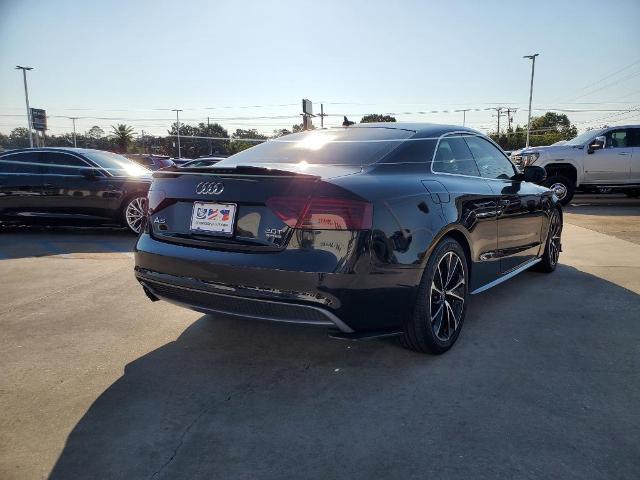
(213, 218)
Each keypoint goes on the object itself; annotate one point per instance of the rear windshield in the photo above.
(342, 146)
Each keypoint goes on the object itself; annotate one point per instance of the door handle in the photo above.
(624, 154)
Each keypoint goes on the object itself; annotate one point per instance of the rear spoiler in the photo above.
(240, 170)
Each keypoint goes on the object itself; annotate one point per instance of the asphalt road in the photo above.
(98, 382)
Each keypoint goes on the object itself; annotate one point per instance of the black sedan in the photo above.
(372, 229)
(71, 186)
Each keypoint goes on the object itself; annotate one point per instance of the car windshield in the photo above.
(584, 137)
(340, 146)
(115, 164)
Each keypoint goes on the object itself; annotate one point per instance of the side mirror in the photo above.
(534, 174)
(597, 144)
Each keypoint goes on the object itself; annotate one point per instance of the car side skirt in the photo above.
(507, 276)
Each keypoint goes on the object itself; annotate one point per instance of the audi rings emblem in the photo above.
(209, 188)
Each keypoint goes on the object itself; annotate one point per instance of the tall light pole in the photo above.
(26, 98)
(177, 110)
(73, 119)
(533, 69)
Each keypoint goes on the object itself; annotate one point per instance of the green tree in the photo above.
(215, 145)
(376, 117)
(191, 146)
(281, 132)
(95, 133)
(19, 138)
(545, 130)
(123, 136)
(4, 141)
(237, 145)
(553, 123)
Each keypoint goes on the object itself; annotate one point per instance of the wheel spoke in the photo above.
(440, 276)
(455, 295)
(457, 285)
(436, 320)
(452, 314)
(449, 269)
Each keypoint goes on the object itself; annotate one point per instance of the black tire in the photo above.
(552, 246)
(423, 332)
(134, 202)
(563, 186)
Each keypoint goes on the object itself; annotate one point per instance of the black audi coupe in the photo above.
(72, 186)
(371, 229)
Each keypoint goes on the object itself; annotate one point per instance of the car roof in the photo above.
(57, 149)
(423, 130)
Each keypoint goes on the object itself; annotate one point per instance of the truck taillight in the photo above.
(321, 213)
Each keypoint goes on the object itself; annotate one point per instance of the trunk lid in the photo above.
(186, 204)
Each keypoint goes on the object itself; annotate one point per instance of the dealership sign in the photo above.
(38, 119)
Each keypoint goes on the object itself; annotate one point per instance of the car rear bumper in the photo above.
(205, 300)
(211, 281)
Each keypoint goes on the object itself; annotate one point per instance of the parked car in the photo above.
(69, 186)
(180, 161)
(202, 162)
(372, 229)
(152, 162)
(606, 159)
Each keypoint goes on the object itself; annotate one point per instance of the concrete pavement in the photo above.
(98, 382)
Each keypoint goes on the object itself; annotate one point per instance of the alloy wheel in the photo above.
(555, 232)
(134, 214)
(447, 296)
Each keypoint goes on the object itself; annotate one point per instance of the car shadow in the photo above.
(22, 242)
(540, 381)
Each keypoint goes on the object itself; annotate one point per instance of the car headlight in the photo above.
(529, 158)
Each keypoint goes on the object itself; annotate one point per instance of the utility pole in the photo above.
(322, 115)
(26, 98)
(73, 119)
(209, 140)
(533, 69)
(499, 112)
(464, 115)
(144, 150)
(510, 112)
(177, 110)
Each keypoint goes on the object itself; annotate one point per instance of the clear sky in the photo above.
(129, 60)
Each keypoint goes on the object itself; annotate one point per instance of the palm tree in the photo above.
(123, 135)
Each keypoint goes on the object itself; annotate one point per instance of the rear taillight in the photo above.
(320, 213)
(154, 200)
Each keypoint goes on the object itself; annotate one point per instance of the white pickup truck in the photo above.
(606, 159)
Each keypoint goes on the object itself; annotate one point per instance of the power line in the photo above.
(624, 79)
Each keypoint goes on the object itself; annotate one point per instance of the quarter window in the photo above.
(23, 162)
(453, 156)
(491, 162)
